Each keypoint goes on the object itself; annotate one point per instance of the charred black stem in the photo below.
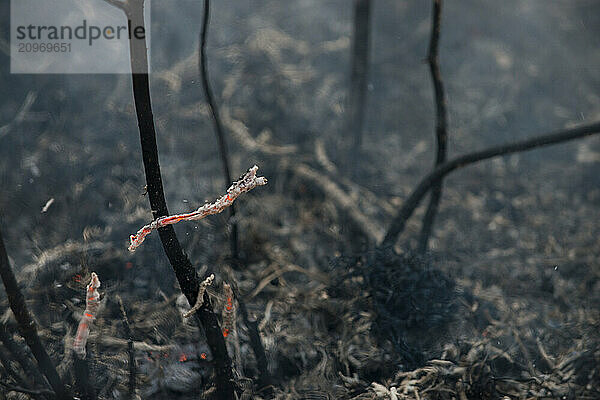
(27, 325)
(33, 392)
(184, 271)
(10, 370)
(81, 371)
(255, 341)
(130, 350)
(218, 125)
(360, 66)
(258, 349)
(23, 359)
(441, 124)
(412, 202)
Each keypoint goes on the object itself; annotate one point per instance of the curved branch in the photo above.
(441, 123)
(218, 125)
(411, 203)
(27, 325)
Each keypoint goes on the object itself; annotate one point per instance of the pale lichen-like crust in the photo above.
(92, 303)
(246, 183)
(200, 299)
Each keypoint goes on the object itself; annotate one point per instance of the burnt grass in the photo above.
(506, 302)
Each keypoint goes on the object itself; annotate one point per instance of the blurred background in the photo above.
(521, 232)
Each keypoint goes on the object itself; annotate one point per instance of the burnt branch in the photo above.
(441, 124)
(130, 351)
(218, 125)
(83, 381)
(246, 183)
(33, 392)
(24, 360)
(27, 325)
(255, 341)
(92, 303)
(412, 202)
(203, 285)
(184, 271)
(10, 371)
(265, 380)
(359, 71)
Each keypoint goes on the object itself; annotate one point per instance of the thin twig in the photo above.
(358, 77)
(92, 303)
(130, 350)
(412, 202)
(246, 183)
(33, 392)
(441, 124)
(27, 325)
(119, 343)
(218, 125)
(373, 232)
(242, 134)
(331, 189)
(21, 114)
(265, 380)
(184, 271)
(205, 284)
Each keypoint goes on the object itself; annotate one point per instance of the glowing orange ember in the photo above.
(203, 356)
(246, 183)
(182, 357)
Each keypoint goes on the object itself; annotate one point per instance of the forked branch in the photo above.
(246, 183)
(412, 202)
(441, 122)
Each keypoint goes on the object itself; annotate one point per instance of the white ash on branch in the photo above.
(200, 299)
(246, 183)
(92, 303)
(228, 311)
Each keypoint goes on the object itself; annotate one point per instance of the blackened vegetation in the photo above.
(31, 376)
(217, 124)
(130, 351)
(255, 341)
(83, 382)
(505, 328)
(27, 326)
(411, 302)
(441, 121)
(358, 77)
(412, 202)
(184, 271)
